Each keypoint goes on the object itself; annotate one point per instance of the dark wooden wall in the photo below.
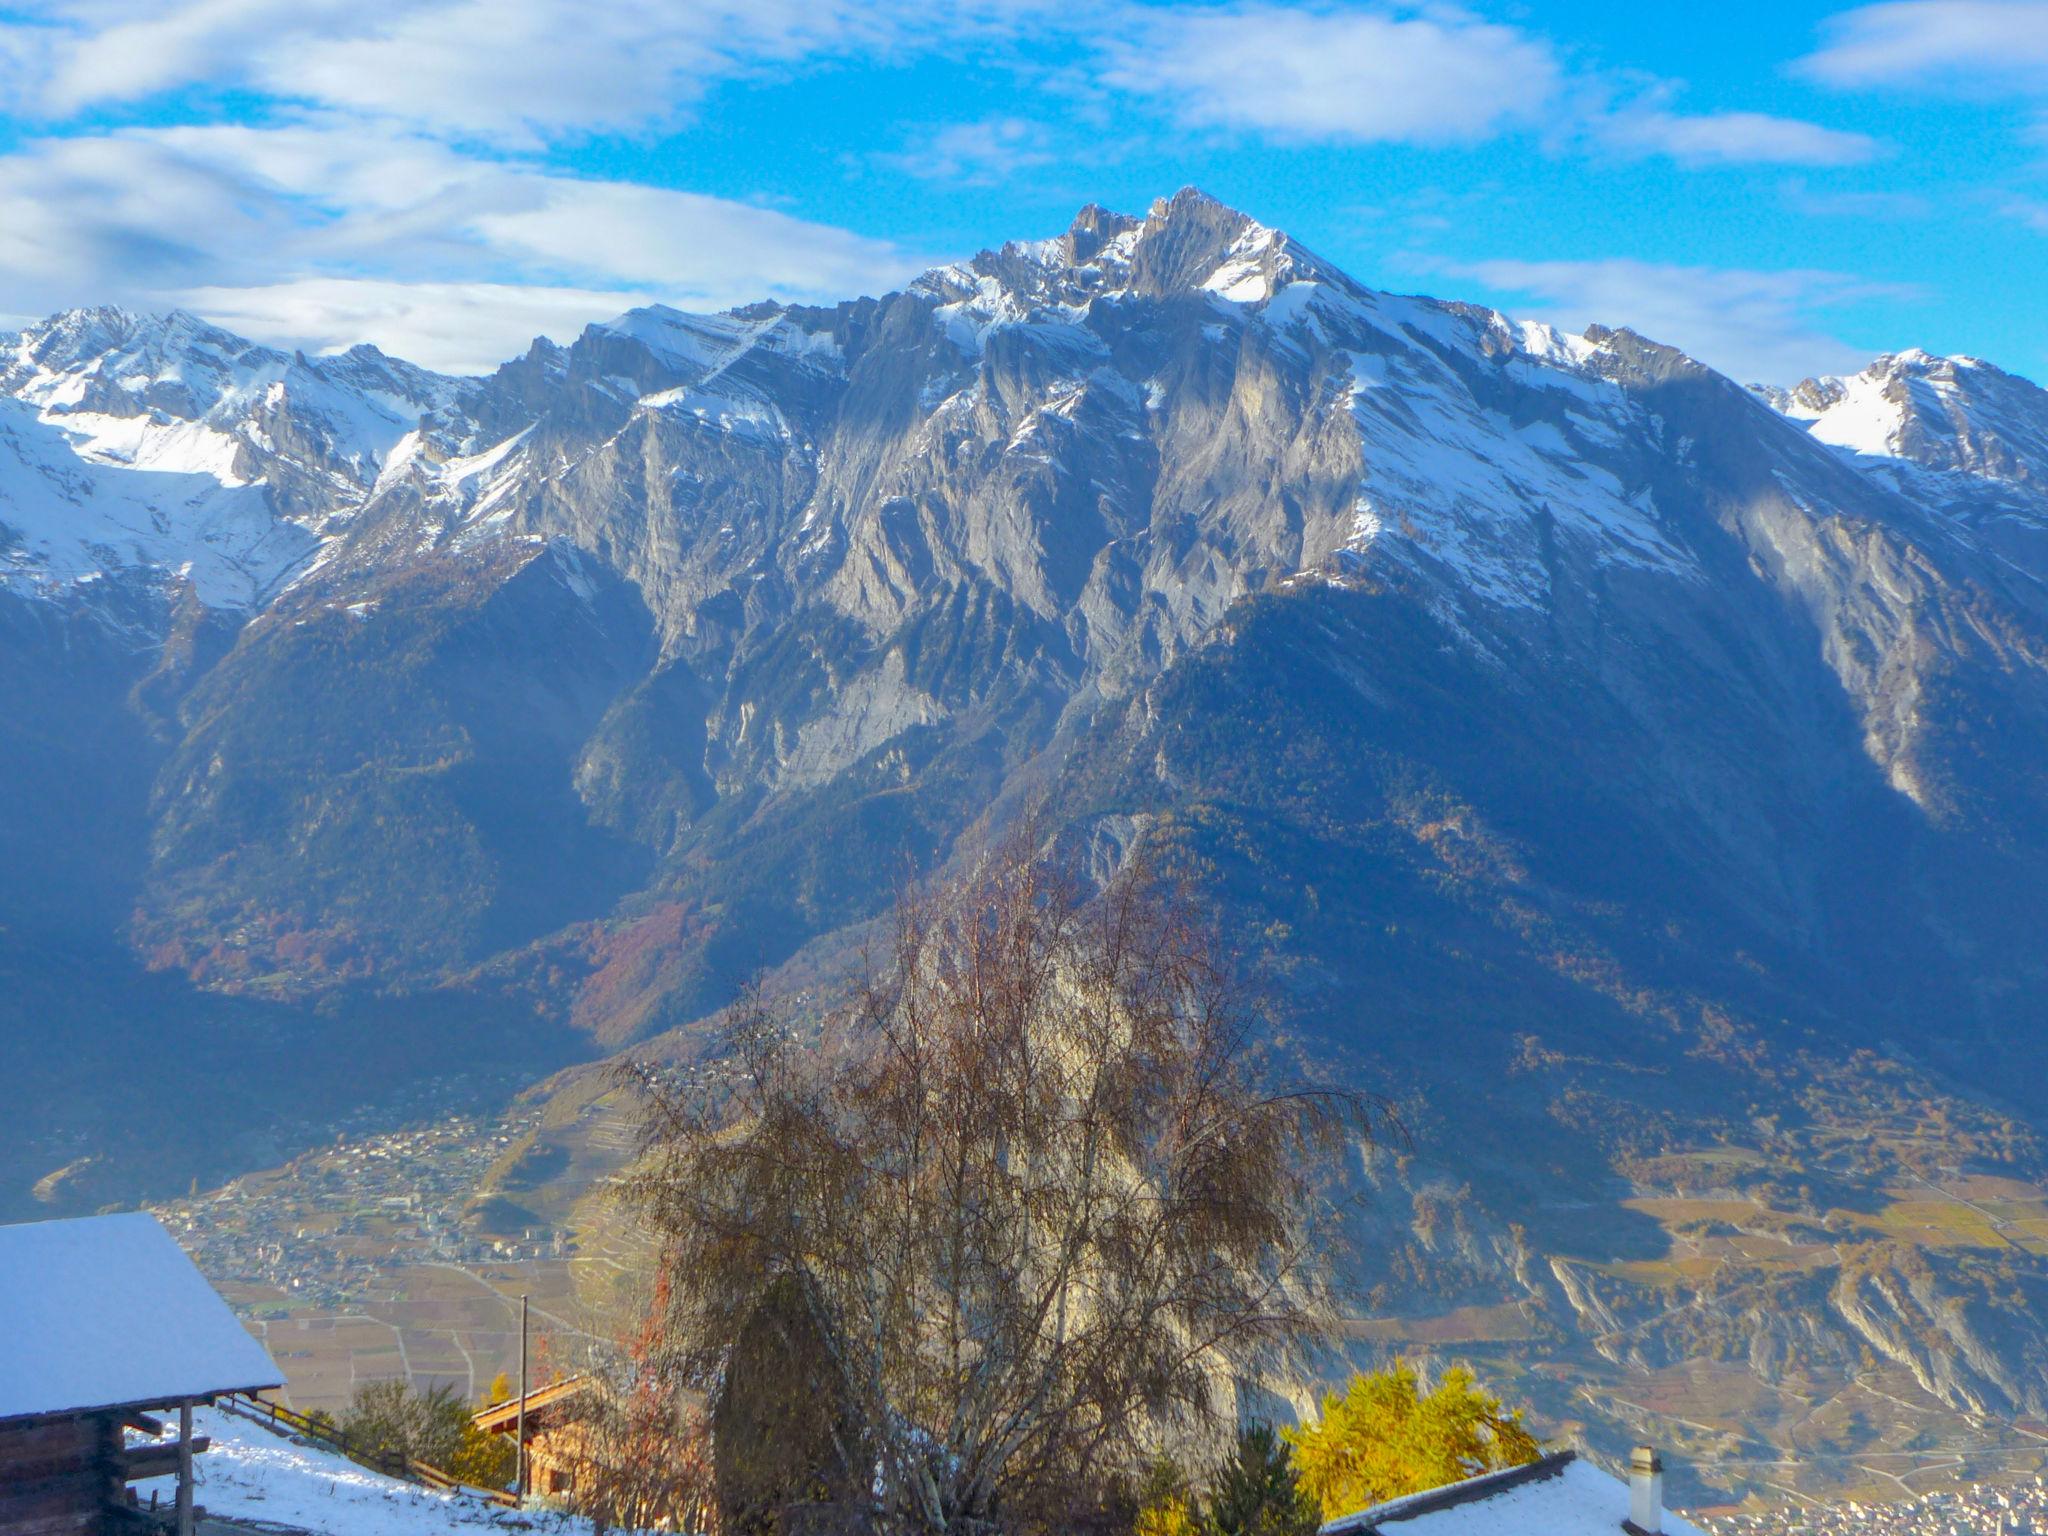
(60, 1477)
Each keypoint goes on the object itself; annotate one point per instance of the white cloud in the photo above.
(1352, 76)
(1421, 75)
(78, 211)
(2030, 211)
(396, 168)
(1972, 43)
(451, 327)
(1818, 203)
(980, 154)
(508, 71)
(1735, 138)
(711, 251)
(1752, 326)
(328, 232)
(503, 68)
(108, 50)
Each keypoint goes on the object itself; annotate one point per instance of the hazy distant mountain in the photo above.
(1631, 769)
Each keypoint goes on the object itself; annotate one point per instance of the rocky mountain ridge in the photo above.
(1637, 775)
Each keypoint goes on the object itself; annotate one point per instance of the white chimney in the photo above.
(1645, 1492)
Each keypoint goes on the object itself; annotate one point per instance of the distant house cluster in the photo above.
(1978, 1510)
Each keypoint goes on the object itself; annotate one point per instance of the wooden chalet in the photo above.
(554, 1443)
(104, 1323)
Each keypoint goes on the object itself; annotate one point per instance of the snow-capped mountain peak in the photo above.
(1475, 447)
(1943, 413)
(166, 443)
(1188, 244)
(127, 385)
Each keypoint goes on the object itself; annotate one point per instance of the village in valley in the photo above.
(1976, 1510)
(323, 1228)
(402, 1252)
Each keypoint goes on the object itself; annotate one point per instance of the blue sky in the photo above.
(1781, 189)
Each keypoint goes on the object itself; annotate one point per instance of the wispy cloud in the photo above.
(1425, 75)
(1817, 202)
(978, 154)
(1755, 326)
(1293, 72)
(2030, 211)
(322, 224)
(1735, 138)
(1974, 44)
(452, 327)
(512, 71)
(401, 159)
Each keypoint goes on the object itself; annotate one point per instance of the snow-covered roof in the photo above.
(1559, 1495)
(107, 1312)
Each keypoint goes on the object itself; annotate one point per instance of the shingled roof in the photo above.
(107, 1312)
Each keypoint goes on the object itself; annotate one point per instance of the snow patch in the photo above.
(1866, 419)
(254, 1475)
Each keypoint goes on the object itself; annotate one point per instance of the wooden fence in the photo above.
(288, 1421)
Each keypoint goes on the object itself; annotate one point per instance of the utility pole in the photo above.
(519, 1432)
(184, 1469)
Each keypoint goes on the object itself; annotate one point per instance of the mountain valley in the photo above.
(1636, 777)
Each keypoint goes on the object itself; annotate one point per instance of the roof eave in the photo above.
(138, 1405)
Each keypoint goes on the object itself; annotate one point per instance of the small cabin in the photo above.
(1557, 1495)
(106, 1324)
(554, 1445)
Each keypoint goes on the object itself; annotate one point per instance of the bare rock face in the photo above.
(910, 558)
(1609, 755)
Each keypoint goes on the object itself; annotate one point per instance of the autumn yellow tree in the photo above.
(1167, 1504)
(1385, 1437)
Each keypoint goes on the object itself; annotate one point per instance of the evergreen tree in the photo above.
(1256, 1491)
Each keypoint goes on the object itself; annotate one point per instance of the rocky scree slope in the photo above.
(1605, 753)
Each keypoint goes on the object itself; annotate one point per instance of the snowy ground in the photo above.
(252, 1474)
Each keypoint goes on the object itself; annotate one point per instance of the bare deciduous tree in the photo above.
(636, 1461)
(1038, 1186)
(635, 1447)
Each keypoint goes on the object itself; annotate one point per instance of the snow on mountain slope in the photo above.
(133, 388)
(164, 442)
(1952, 436)
(1480, 443)
(1471, 481)
(66, 519)
(1942, 413)
(253, 1474)
(1859, 413)
(704, 346)
(1477, 447)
